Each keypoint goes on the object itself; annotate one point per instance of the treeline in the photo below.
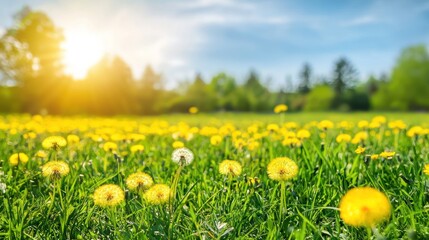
(33, 80)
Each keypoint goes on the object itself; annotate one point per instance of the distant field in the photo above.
(98, 178)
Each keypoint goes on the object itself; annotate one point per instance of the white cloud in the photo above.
(361, 20)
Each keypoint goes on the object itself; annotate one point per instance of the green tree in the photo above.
(320, 98)
(409, 84)
(305, 79)
(110, 87)
(223, 86)
(150, 91)
(31, 56)
(344, 77)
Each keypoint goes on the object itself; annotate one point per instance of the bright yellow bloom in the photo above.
(108, 195)
(426, 169)
(282, 169)
(55, 169)
(374, 156)
(252, 145)
(280, 108)
(415, 131)
(343, 138)
(293, 142)
(110, 146)
(387, 154)
(398, 125)
(379, 119)
(215, 140)
(303, 134)
(193, 110)
(230, 167)
(54, 142)
(325, 124)
(17, 158)
(73, 139)
(363, 124)
(253, 180)
(359, 137)
(158, 194)
(30, 135)
(364, 207)
(139, 181)
(272, 127)
(137, 148)
(178, 144)
(41, 154)
(360, 150)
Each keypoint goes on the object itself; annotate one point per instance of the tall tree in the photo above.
(344, 77)
(111, 86)
(150, 91)
(409, 84)
(305, 79)
(223, 86)
(31, 56)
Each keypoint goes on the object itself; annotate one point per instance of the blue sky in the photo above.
(180, 38)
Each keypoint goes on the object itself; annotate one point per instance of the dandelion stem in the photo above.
(282, 199)
(369, 233)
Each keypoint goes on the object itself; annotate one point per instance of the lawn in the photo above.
(72, 178)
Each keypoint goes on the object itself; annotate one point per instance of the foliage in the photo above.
(319, 99)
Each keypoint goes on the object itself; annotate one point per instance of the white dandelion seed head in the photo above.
(182, 156)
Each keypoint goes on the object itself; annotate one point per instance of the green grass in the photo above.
(210, 205)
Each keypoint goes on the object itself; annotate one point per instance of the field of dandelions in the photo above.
(225, 176)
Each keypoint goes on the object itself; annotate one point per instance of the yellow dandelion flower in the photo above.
(158, 194)
(193, 110)
(363, 124)
(253, 181)
(55, 169)
(54, 142)
(230, 167)
(292, 142)
(178, 144)
(303, 134)
(343, 138)
(360, 150)
(379, 119)
(387, 154)
(374, 156)
(139, 181)
(280, 108)
(137, 148)
(17, 158)
(282, 169)
(364, 207)
(73, 139)
(110, 146)
(41, 154)
(272, 127)
(415, 131)
(108, 195)
(426, 169)
(215, 140)
(253, 145)
(30, 135)
(325, 124)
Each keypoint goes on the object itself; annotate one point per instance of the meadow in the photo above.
(165, 177)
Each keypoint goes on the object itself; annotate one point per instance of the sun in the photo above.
(82, 49)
